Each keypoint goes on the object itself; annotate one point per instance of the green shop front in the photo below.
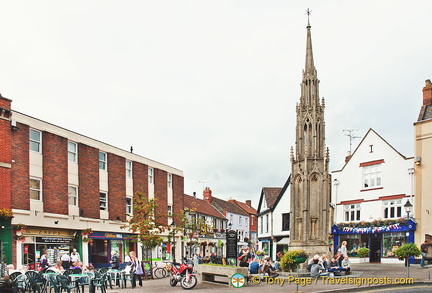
(383, 238)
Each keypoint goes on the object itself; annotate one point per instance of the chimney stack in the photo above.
(207, 194)
(348, 157)
(249, 203)
(427, 93)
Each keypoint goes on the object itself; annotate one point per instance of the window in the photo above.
(391, 242)
(103, 201)
(35, 189)
(129, 205)
(73, 195)
(35, 140)
(246, 221)
(240, 221)
(252, 220)
(392, 209)
(129, 169)
(262, 225)
(150, 175)
(352, 212)
(372, 176)
(267, 223)
(169, 180)
(72, 151)
(286, 222)
(102, 160)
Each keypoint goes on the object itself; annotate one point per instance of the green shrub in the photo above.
(407, 250)
(291, 259)
(363, 252)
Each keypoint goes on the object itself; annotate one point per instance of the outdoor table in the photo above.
(116, 276)
(75, 278)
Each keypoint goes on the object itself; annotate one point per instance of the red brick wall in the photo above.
(21, 168)
(140, 178)
(161, 194)
(88, 190)
(178, 198)
(5, 157)
(116, 187)
(55, 173)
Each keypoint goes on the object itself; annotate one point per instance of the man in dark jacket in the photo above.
(115, 260)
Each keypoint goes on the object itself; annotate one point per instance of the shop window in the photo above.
(35, 140)
(286, 222)
(72, 152)
(73, 195)
(392, 241)
(103, 201)
(129, 205)
(35, 189)
(371, 176)
(129, 169)
(102, 161)
(352, 212)
(392, 209)
(354, 242)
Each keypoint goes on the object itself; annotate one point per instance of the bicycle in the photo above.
(162, 272)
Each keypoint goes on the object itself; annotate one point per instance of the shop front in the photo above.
(101, 244)
(383, 238)
(33, 242)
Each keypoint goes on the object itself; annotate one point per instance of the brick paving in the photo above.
(369, 271)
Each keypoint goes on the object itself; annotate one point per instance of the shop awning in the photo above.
(284, 240)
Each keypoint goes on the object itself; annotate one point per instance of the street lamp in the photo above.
(408, 208)
(173, 225)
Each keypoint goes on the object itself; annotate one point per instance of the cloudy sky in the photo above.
(210, 87)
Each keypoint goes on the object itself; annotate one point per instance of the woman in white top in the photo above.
(343, 249)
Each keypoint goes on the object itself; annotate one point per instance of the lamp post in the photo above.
(173, 226)
(408, 208)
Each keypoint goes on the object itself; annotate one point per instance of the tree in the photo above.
(146, 224)
(363, 252)
(406, 251)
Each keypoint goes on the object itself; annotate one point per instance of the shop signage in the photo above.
(231, 244)
(49, 232)
(370, 230)
(108, 235)
(53, 240)
(215, 235)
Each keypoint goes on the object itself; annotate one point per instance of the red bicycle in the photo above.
(183, 273)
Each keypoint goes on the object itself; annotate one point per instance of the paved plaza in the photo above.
(383, 273)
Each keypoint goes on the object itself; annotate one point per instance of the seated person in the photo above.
(267, 268)
(346, 265)
(334, 265)
(317, 269)
(324, 261)
(311, 262)
(254, 266)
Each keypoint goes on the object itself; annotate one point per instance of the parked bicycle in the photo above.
(162, 272)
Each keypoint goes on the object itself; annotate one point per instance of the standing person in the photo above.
(44, 261)
(115, 260)
(244, 257)
(344, 249)
(75, 257)
(66, 260)
(137, 269)
(423, 249)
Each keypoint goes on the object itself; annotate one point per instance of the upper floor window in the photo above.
(129, 205)
(73, 195)
(246, 221)
(267, 223)
(169, 180)
(35, 140)
(253, 220)
(392, 208)
(352, 212)
(150, 175)
(129, 169)
(169, 211)
(262, 225)
(240, 221)
(103, 201)
(286, 222)
(372, 176)
(35, 189)
(72, 151)
(102, 160)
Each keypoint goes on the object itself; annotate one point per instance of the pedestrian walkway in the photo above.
(386, 274)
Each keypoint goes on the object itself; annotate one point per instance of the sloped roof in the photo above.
(225, 206)
(363, 139)
(202, 206)
(244, 206)
(272, 195)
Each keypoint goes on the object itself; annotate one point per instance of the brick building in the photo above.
(58, 183)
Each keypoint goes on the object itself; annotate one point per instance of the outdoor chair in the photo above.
(63, 283)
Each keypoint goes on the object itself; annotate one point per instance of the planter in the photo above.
(299, 260)
(208, 273)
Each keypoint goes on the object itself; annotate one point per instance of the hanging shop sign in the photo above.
(53, 240)
(48, 232)
(109, 235)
